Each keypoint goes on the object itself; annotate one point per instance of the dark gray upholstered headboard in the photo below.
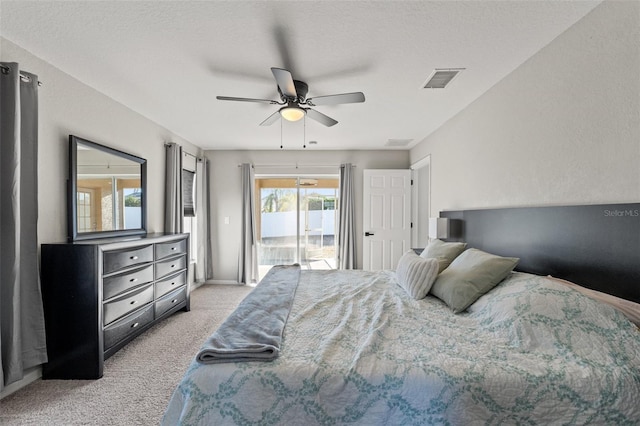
(595, 246)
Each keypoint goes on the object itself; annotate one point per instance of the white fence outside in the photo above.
(283, 224)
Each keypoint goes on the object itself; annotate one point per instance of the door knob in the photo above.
(368, 234)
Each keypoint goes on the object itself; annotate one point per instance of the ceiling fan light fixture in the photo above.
(292, 112)
(293, 94)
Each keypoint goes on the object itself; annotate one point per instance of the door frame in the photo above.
(420, 174)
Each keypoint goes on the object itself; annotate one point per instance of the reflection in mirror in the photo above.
(108, 189)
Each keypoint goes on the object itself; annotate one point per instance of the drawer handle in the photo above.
(173, 283)
(134, 325)
(133, 280)
(134, 258)
(173, 266)
(133, 302)
(173, 249)
(174, 300)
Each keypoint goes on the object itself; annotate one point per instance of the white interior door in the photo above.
(387, 217)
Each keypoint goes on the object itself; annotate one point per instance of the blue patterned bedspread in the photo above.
(358, 350)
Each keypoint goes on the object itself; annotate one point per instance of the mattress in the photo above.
(357, 350)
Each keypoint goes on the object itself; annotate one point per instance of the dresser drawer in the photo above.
(116, 284)
(128, 302)
(170, 300)
(126, 326)
(169, 266)
(170, 283)
(169, 249)
(119, 259)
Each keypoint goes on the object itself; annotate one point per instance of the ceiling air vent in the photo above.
(440, 77)
(398, 142)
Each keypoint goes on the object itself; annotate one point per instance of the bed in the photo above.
(360, 347)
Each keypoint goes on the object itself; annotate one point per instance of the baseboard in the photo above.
(30, 376)
(225, 282)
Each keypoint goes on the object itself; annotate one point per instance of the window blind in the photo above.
(188, 193)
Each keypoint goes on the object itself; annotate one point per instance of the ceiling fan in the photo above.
(293, 94)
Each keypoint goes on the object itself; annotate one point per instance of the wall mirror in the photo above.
(107, 191)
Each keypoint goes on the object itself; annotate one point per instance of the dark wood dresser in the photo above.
(98, 295)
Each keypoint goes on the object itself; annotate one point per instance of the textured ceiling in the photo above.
(168, 60)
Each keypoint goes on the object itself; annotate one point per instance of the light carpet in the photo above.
(138, 380)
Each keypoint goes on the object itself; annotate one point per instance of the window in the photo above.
(190, 227)
(189, 201)
(84, 211)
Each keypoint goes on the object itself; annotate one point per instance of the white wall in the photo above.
(226, 200)
(564, 128)
(67, 106)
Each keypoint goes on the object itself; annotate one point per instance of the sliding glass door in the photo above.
(276, 222)
(296, 221)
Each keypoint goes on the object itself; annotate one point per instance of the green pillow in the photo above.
(444, 252)
(469, 276)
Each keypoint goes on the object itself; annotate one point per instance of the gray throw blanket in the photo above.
(253, 332)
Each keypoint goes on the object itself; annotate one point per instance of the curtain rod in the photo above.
(185, 152)
(273, 166)
(25, 78)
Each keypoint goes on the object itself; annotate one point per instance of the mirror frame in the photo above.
(72, 199)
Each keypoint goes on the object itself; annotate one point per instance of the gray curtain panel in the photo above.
(22, 332)
(248, 259)
(173, 211)
(204, 269)
(346, 220)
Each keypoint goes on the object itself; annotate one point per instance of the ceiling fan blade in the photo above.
(285, 82)
(271, 119)
(229, 98)
(344, 98)
(321, 118)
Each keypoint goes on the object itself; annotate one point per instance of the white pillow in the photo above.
(416, 274)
